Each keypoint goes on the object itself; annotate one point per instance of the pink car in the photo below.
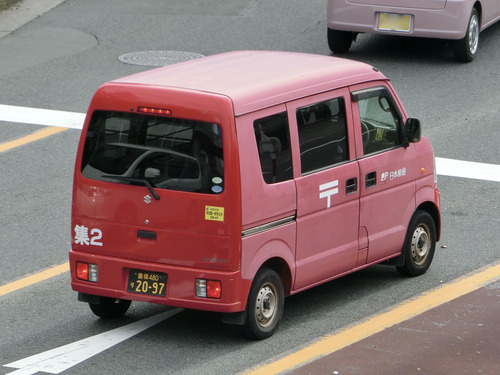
(457, 20)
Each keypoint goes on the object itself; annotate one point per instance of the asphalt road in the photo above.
(59, 59)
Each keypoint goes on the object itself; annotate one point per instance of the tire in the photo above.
(420, 244)
(265, 305)
(466, 48)
(339, 41)
(110, 308)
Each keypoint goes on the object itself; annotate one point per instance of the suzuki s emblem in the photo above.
(147, 199)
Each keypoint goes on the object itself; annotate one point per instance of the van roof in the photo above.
(259, 79)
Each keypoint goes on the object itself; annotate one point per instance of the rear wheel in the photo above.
(340, 41)
(466, 48)
(110, 307)
(420, 243)
(265, 305)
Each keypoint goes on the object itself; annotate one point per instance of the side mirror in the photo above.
(413, 130)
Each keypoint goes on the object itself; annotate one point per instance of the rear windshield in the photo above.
(168, 153)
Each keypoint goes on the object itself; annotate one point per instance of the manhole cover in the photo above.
(157, 58)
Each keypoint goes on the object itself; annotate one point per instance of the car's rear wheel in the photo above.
(340, 41)
(466, 48)
(265, 305)
(420, 244)
(110, 307)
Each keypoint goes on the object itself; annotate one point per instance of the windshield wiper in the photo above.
(135, 181)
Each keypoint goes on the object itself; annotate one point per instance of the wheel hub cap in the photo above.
(473, 35)
(420, 245)
(266, 305)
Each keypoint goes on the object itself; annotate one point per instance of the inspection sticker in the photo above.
(214, 213)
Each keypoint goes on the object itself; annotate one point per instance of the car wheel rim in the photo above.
(473, 34)
(266, 305)
(420, 245)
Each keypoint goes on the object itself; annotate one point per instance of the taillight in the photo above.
(86, 271)
(214, 289)
(155, 111)
(208, 288)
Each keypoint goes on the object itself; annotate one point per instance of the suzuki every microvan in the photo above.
(229, 182)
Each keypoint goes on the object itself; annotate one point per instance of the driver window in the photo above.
(380, 122)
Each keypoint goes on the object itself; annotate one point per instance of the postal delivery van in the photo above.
(229, 182)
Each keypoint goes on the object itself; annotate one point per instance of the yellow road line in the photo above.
(53, 271)
(378, 323)
(33, 279)
(39, 134)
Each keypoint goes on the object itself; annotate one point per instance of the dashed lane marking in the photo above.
(33, 279)
(39, 134)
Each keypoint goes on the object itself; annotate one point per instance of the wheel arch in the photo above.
(432, 210)
(280, 266)
(272, 250)
(479, 9)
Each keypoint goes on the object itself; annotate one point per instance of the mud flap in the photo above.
(237, 318)
(399, 261)
(90, 298)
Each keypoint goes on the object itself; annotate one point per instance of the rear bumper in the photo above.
(447, 23)
(180, 292)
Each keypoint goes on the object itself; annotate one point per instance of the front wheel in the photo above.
(265, 305)
(110, 307)
(420, 244)
(340, 41)
(466, 48)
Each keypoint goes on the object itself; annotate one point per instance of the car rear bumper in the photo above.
(180, 290)
(447, 23)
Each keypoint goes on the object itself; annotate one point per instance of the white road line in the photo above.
(468, 169)
(37, 116)
(60, 359)
(74, 120)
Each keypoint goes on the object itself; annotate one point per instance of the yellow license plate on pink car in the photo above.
(394, 22)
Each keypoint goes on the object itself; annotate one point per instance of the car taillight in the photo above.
(208, 288)
(86, 271)
(155, 111)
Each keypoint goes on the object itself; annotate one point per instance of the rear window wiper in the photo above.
(135, 181)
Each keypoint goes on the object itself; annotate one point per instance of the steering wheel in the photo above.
(365, 133)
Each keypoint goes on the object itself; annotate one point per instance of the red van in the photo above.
(229, 182)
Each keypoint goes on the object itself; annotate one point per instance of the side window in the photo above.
(322, 135)
(273, 143)
(380, 122)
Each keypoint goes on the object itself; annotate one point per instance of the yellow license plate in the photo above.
(394, 22)
(147, 282)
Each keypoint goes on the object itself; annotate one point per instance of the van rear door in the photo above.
(150, 183)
